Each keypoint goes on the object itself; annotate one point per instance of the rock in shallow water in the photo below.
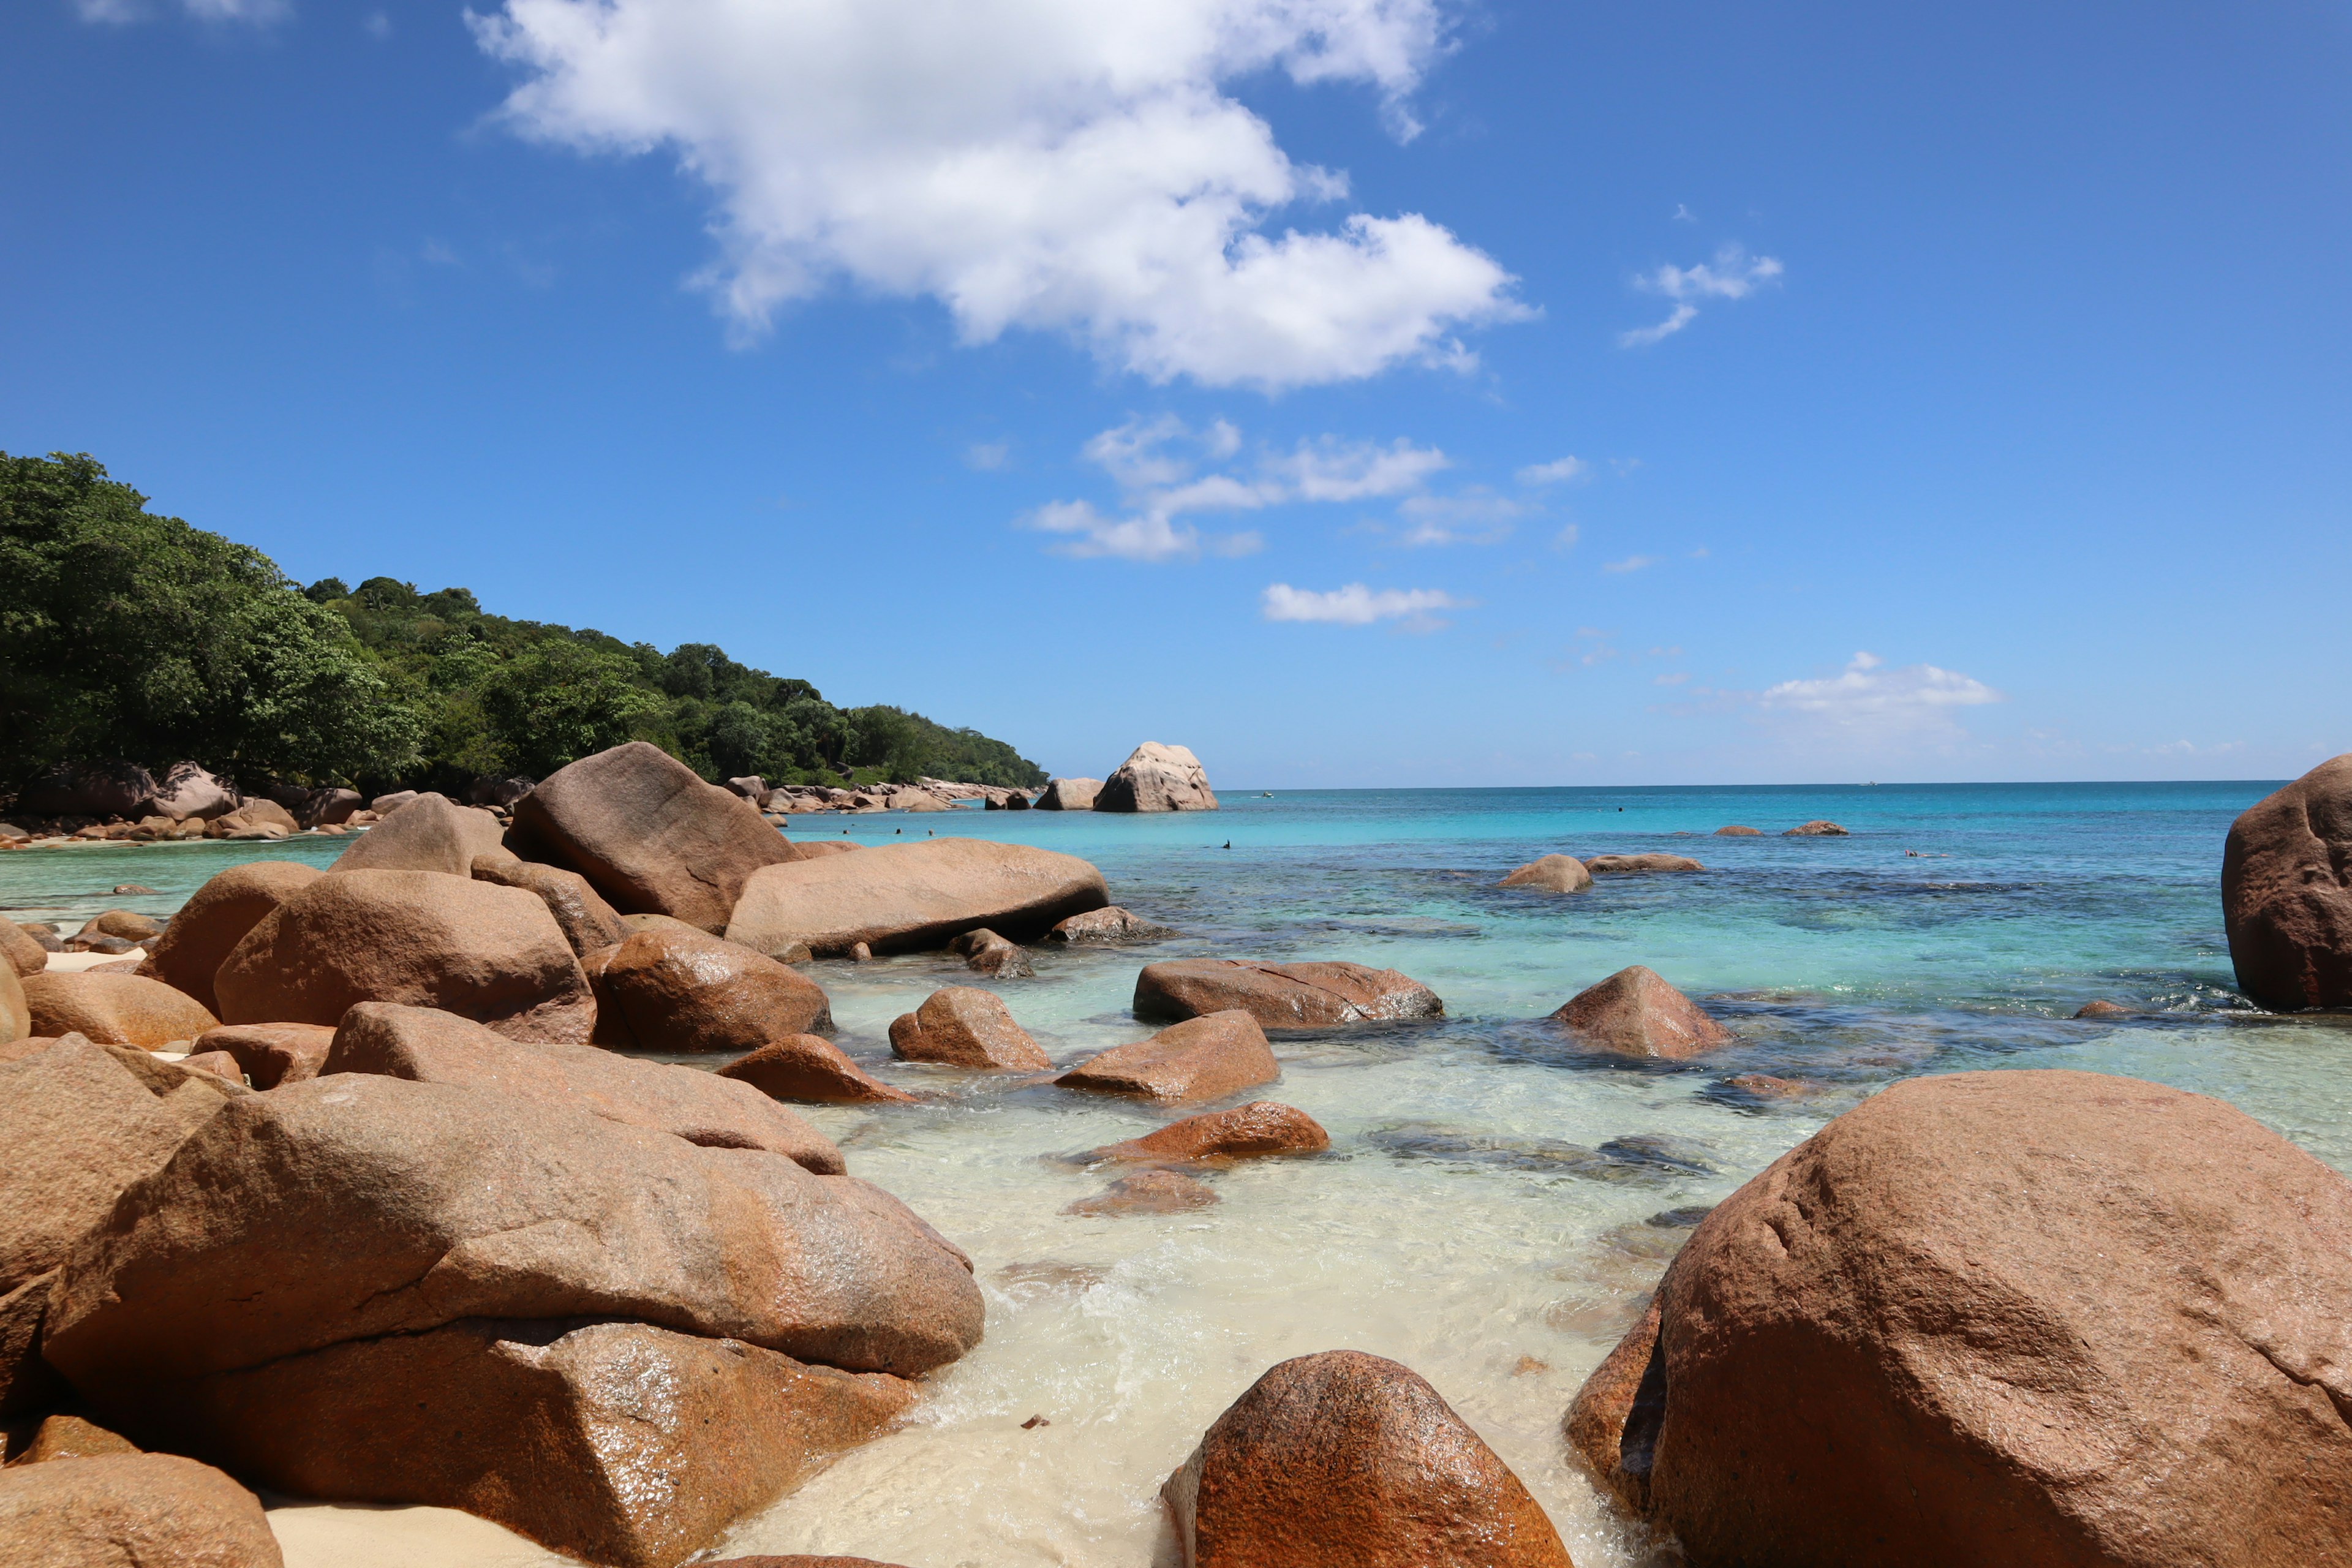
(1282, 995)
(1157, 778)
(1551, 874)
(1634, 1012)
(682, 990)
(1109, 926)
(811, 1068)
(1202, 1059)
(2033, 1317)
(1148, 1192)
(1635, 865)
(2286, 892)
(1261, 1128)
(965, 1027)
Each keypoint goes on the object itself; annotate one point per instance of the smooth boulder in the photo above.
(486, 952)
(128, 924)
(427, 1047)
(1251, 1131)
(688, 990)
(131, 1510)
(965, 1027)
(256, 818)
(1737, 831)
(1349, 1460)
(905, 898)
(271, 1054)
(1157, 778)
(1551, 874)
(587, 921)
(2286, 892)
(2030, 1317)
(811, 1068)
(1068, 795)
(217, 917)
(1109, 926)
(185, 791)
(431, 833)
(651, 835)
(1635, 1013)
(21, 953)
(1282, 995)
(112, 1009)
(1206, 1057)
(1634, 864)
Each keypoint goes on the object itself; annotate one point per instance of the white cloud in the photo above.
(1631, 563)
(1157, 464)
(1558, 471)
(377, 26)
(1566, 537)
(1473, 517)
(1059, 164)
(1358, 606)
(1732, 275)
(1867, 694)
(988, 457)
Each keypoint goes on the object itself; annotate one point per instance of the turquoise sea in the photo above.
(1496, 1202)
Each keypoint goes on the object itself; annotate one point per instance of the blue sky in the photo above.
(1290, 379)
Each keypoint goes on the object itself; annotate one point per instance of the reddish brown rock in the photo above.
(905, 898)
(587, 921)
(1764, 1086)
(71, 1437)
(1551, 874)
(128, 924)
(131, 1511)
(1282, 995)
(1613, 1423)
(1107, 926)
(15, 1010)
(965, 1027)
(430, 833)
(985, 953)
(1635, 865)
(2286, 892)
(112, 1009)
(618, 1443)
(1635, 1013)
(271, 1054)
(20, 953)
(651, 835)
(1346, 1460)
(813, 1068)
(688, 991)
(1260, 1128)
(216, 918)
(258, 818)
(219, 1063)
(354, 1206)
(1737, 832)
(2102, 1008)
(1817, 828)
(486, 952)
(1148, 1192)
(1202, 1059)
(28, 1383)
(2033, 1317)
(1157, 778)
(427, 1047)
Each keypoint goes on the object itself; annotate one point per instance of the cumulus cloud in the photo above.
(1473, 517)
(1558, 471)
(1057, 164)
(1358, 606)
(1732, 275)
(1867, 695)
(1168, 472)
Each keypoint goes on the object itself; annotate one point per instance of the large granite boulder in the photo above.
(1635, 1013)
(431, 833)
(89, 789)
(354, 1206)
(681, 990)
(811, 1068)
(617, 1442)
(486, 952)
(186, 791)
(1068, 795)
(131, 1511)
(1206, 1057)
(329, 808)
(908, 897)
(1282, 995)
(1249, 1132)
(651, 835)
(129, 924)
(587, 921)
(15, 1011)
(2033, 1317)
(21, 953)
(428, 1047)
(2286, 892)
(965, 1027)
(113, 1009)
(1551, 874)
(216, 918)
(1347, 1460)
(1157, 778)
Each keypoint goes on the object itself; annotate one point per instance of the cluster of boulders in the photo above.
(1820, 827)
(1153, 778)
(123, 803)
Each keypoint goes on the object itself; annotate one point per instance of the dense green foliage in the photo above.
(127, 634)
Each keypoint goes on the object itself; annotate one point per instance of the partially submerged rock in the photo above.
(986, 952)
(1261, 1128)
(1347, 1460)
(2102, 1008)
(1820, 827)
(1282, 995)
(427, 1047)
(486, 952)
(112, 1009)
(2060, 1317)
(811, 1068)
(965, 1027)
(271, 1054)
(1068, 795)
(1148, 1192)
(216, 918)
(2286, 892)
(1157, 778)
(1551, 874)
(1737, 832)
(1202, 1059)
(1634, 864)
(649, 833)
(430, 833)
(1634, 1012)
(1109, 926)
(688, 990)
(131, 1511)
(906, 898)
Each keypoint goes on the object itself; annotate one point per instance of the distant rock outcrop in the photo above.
(1820, 827)
(1551, 874)
(1157, 778)
(1069, 794)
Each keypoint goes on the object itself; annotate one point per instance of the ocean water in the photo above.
(1495, 1203)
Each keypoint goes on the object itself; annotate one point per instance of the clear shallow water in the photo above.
(1484, 1212)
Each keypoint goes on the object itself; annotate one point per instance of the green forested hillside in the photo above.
(127, 635)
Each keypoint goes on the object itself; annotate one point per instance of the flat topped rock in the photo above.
(1552, 874)
(1820, 827)
(1261, 1128)
(1109, 926)
(1282, 995)
(1630, 865)
(1068, 795)
(1634, 1012)
(1737, 832)
(1202, 1059)
(902, 897)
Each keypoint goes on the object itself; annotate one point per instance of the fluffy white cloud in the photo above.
(1473, 517)
(1060, 164)
(1733, 275)
(1868, 695)
(1358, 606)
(1557, 473)
(1158, 465)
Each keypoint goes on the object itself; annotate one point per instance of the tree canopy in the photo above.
(127, 635)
